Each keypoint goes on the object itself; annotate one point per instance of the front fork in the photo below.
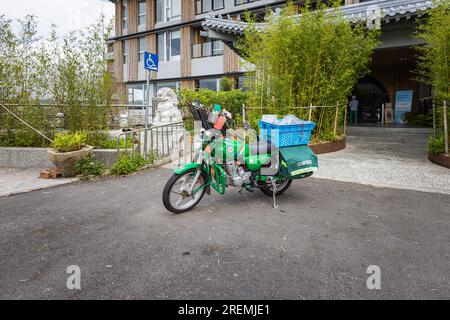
(199, 172)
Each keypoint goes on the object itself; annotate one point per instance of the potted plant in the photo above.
(68, 149)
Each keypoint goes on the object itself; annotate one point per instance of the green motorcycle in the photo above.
(224, 159)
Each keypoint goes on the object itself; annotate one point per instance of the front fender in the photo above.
(187, 167)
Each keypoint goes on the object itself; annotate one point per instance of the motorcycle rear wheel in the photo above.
(282, 186)
(175, 197)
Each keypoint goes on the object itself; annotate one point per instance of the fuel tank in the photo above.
(236, 150)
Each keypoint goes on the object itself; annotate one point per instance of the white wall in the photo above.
(207, 66)
(170, 69)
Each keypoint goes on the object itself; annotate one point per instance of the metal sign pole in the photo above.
(146, 114)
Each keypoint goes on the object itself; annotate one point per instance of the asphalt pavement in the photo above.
(317, 245)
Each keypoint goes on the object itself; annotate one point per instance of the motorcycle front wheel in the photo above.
(175, 195)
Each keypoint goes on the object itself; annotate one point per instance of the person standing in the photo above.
(354, 105)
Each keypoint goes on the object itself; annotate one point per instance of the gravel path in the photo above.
(394, 158)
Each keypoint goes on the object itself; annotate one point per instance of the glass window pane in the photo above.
(218, 4)
(161, 47)
(207, 6)
(175, 43)
(176, 9)
(142, 7)
(141, 49)
(171, 85)
(210, 84)
(160, 10)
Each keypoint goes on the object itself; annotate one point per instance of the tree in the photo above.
(315, 59)
(36, 71)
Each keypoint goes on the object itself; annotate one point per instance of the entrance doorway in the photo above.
(371, 94)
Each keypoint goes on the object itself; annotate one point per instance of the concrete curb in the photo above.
(26, 158)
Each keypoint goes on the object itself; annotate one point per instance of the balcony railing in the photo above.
(207, 49)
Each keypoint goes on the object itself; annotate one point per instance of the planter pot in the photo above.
(65, 161)
(440, 159)
(327, 147)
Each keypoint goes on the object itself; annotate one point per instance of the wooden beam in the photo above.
(187, 10)
(118, 61)
(133, 59)
(119, 18)
(186, 51)
(132, 16)
(150, 14)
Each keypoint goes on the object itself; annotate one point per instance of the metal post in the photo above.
(310, 112)
(336, 118)
(434, 120)
(345, 120)
(445, 127)
(382, 113)
(146, 114)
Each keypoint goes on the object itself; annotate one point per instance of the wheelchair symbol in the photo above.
(150, 62)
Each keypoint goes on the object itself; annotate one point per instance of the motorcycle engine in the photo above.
(236, 175)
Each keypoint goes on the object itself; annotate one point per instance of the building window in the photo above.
(169, 46)
(141, 49)
(124, 15)
(136, 94)
(125, 52)
(245, 82)
(207, 49)
(239, 2)
(211, 84)
(172, 85)
(203, 6)
(142, 13)
(168, 10)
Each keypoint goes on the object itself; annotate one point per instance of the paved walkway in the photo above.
(13, 181)
(386, 157)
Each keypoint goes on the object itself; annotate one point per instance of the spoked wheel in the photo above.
(175, 195)
(282, 186)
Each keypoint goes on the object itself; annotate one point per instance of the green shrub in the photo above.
(90, 167)
(226, 84)
(230, 100)
(110, 143)
(416, 119)
(436, 146)
(128, 164)
(67, 142)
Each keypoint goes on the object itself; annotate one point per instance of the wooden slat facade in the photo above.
(186, 51)
(230, 60)
(132, 16)
(133, 59)
(118, 61)
(188, 84)
(187, 10)
(118, 18)
(151, 47)
(150, 6)
(397, 78)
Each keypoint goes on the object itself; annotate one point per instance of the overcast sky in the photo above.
(68, 15)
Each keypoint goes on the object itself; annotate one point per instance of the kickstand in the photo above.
(274, 193)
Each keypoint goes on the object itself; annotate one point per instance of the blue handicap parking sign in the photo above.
(151, 61)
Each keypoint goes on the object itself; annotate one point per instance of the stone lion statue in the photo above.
(167, 110)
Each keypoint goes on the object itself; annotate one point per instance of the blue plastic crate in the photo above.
(287, 135)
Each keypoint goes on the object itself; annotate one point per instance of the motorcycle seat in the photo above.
(261, 147)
